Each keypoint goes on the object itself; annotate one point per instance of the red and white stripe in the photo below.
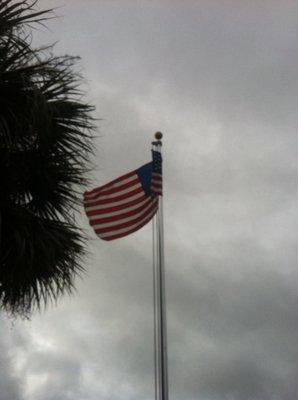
(156, 184)
(120, 207)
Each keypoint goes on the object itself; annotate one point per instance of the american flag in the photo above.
(126, 204)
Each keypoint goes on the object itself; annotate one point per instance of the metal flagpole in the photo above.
(160, 322)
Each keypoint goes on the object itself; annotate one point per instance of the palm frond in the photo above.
(14, 14)
(45, 143)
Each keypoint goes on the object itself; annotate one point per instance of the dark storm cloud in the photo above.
(241, 335)
(234, 59)
(220, 78)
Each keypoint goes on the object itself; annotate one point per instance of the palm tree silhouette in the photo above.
(45, 144)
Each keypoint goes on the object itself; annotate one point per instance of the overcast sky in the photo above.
(219, 79)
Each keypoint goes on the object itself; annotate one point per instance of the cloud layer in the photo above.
(219, 78)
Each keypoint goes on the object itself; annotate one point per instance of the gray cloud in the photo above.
(10, 384)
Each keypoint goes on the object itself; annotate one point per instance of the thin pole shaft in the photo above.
(160, 329)
(162, 296)
(155, 310)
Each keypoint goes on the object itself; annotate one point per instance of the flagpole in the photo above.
(160, 321)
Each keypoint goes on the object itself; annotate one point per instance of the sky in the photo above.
(219, 78)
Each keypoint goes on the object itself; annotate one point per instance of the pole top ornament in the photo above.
(157, 142)
(158, 135)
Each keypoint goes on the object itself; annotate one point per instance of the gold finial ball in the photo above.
(158, 135)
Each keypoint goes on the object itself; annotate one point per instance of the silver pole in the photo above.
(161, 359)
(156, 312)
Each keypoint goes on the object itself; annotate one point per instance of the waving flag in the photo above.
(126, 204)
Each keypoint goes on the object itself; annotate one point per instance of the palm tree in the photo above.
(45, 144)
